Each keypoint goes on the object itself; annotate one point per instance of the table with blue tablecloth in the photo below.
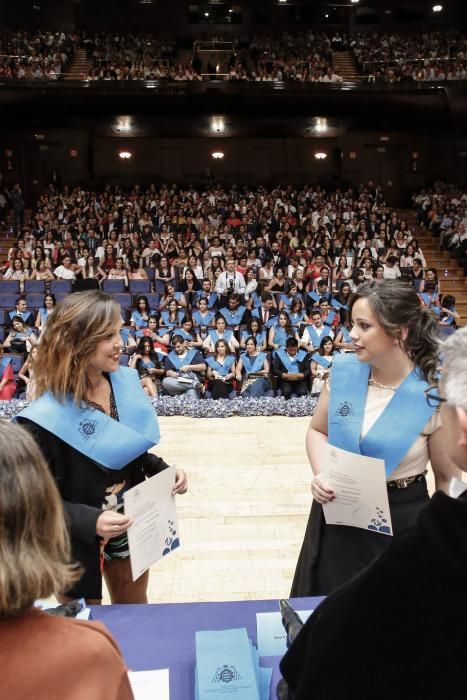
(163, 636)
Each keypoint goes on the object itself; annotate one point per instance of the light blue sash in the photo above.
(321, 360)
(233, 318)
(138, 320)
(178, 362)
(212, 298)
(168, 323)
(337, 305)
(280, 336)
(314, 337)
(431, 301)
(222, 369)
(125, 334)
(252, 367)
(214, 335)
(186, 336)
(272, 320)
(44, 314)
(346, 337)
(286, 300)
(291, 365)
(260, 337)
(330, 318)
(314, 296)
(4, 362)
(396, 429)
(109, 442)
(200, 320)
(297, 318)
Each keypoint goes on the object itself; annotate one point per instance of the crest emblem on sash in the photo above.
(87, 428)
(226, 674)
(345, 409)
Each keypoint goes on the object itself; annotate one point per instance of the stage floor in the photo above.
(243, 519)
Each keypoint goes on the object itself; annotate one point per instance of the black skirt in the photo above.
(333, 554)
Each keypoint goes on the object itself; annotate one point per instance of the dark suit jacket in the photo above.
(399, 629)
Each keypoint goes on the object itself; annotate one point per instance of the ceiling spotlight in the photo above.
(218, 155)
(354, 2)
(206, 14)
(125, 155)
(320, 155)
(437, 8)
(321, 125)
(218, 125)
(282, 1)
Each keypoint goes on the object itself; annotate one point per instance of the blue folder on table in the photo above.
(227, 664)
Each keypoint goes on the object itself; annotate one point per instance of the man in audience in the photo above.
(292, 369)
(235, 314)
(266, 313)
(313, 335)
(230, 281)
(185, 368)
(21, 310)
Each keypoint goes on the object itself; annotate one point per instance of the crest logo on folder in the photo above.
(226, 674)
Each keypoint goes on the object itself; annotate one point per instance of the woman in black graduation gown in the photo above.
(94, 425)
(396, 356)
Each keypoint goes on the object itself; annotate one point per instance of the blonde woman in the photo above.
(94, 424)
(35, 563)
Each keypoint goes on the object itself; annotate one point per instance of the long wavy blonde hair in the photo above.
(75, 327)
(34, 544)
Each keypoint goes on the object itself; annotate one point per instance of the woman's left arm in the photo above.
(443, 469)
(153, 464)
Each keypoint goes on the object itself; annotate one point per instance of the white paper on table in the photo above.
(150, 685)
(270, 632)
(154, 532)
(359, 484)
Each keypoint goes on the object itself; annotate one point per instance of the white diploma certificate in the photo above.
(154, 532)
(359, 484)
(150, 685)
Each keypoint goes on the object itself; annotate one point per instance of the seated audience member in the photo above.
(286, 300)
(255, 330)
(321, 362)
(343, 340)
(206, 291)
(330, 316)
(220, 332)
(430, 281)
(297, 314)
(428, 563)
(171, 317)
(146, 362)
(67, 270)
(312, 335)
(291, 366)
(391, 268)
(188, 333)
(266, 313)
(17, 272)
(140, 315)
(21, 310)
(430, 296)
(448, 317)
(44, 312)
(203, 318)
(35, 563)
(221, 371)
(280, 332)
(171, 293)
(235, 314)
(253, 370)
(230, 281)
(26, 374)
(184, 368)
(118, 272)
(159, 336)
(7, 377)
(21, 338)
(417, 274)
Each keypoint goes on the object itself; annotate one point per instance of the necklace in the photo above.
(373, 382)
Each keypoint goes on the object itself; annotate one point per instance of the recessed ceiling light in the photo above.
(320, 155)
(125, 155)
(437, 8)
(218, 155)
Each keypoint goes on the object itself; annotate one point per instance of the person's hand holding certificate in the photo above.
(359, 485)
(154, 532)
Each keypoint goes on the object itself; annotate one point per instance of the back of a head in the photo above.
(34, 546)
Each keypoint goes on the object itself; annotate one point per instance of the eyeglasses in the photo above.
(432, 396)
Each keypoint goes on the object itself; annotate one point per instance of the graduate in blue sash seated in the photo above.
(235, 313)
(189, 285)
(94, 424)
(343, 340)
(202, 316)
(146, 362)
(207, 293)
(255, 330)
(45, 657)
(266, 312)
(291, 366)
(321, 292)
(401, 623)
(430, 297)
(448, 317)
(253, 370)
(7, 378)
(331, 318)
(159, 335)
(221, 371)
(312, 335)
(171, 317)
(376, 407)
(285, 300)
(340, 301)
(218, 333)
(184, 370)
(281, 332)
(21, 310)
(21, 337)
(169, 294)
(297, 314)
(188, 333)
(44, 313)
(140, 315)
(320, 364)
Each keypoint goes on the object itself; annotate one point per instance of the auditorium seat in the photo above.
(34, 286)
(113, 286)
(60, 287)
(35, 300)
(140, 286)
(8, 300)
(9, 287)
